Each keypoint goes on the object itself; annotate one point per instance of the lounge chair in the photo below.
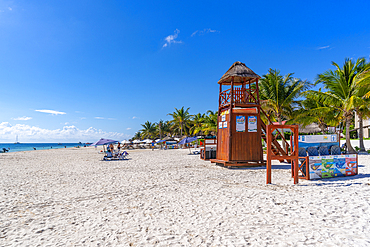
(122, 156)
(116, 156)
(108, 156)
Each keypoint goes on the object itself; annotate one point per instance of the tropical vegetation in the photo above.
(341, 93)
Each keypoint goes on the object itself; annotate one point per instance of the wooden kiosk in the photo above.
(208, 150)
(239, 134)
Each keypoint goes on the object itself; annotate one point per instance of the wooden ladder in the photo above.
(276, 147)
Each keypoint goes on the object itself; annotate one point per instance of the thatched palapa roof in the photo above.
(239, 71)
(311, 128)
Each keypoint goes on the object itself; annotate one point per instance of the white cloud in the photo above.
(22, 118)
(105, 118)
(82, 118)
(323, 47)
(70, 133)
(52, 112)
(66, 123)
(134, 117)
(204, 31)
(171, 39)
(10, 8)
(128, 128)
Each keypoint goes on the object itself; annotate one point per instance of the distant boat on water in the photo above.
(16, 140)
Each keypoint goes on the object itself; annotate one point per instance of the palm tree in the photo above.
(312, 111)
(278, 94)
(149, 130)
(362, 111)
(166, 128)
(196, 123)
(181, 119)
(342, 94)
(362, 81)
(137, 136)
(210, 123)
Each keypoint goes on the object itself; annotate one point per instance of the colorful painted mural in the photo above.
(331, 166)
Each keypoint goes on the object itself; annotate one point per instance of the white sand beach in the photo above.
(69, 197)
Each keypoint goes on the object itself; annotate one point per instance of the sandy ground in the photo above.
(68, 197)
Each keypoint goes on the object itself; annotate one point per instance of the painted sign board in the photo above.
(240, 123)
(331, 166)
(317, 138)
(252, 124)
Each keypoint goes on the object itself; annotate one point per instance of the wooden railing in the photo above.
(277, 131)
(249, 96)
(225, 97)
(241, 96)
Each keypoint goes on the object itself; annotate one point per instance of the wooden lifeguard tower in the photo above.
(240, 128)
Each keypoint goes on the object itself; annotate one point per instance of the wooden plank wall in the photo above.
(223, 140)
(246, 146)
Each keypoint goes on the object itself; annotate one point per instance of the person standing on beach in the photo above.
(119, 147)
(153, 145)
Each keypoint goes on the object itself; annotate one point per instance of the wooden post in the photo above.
(268, 163)
(218, 132)
(231, 117)
(244, 90)
(307, 168)
(295, 134)
(258, 95)
(219, 99)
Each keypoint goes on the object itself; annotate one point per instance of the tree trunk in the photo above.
(361, 132)
(348, 140)
(282, 133)
(322, 127)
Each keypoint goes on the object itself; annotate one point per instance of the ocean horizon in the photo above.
(18, 147)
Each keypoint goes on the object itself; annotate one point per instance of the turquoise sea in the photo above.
(38, 146)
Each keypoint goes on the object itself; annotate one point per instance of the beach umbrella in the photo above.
(103, 141)
(187, 140)
(160, 141)
(125, 142)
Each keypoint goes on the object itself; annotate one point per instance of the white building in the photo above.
(365, 124)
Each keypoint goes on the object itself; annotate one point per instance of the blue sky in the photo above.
(82, 70)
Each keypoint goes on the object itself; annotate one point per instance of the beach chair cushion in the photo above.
(324, 150)
(335, 150)
(312, 151)
(302, 152)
